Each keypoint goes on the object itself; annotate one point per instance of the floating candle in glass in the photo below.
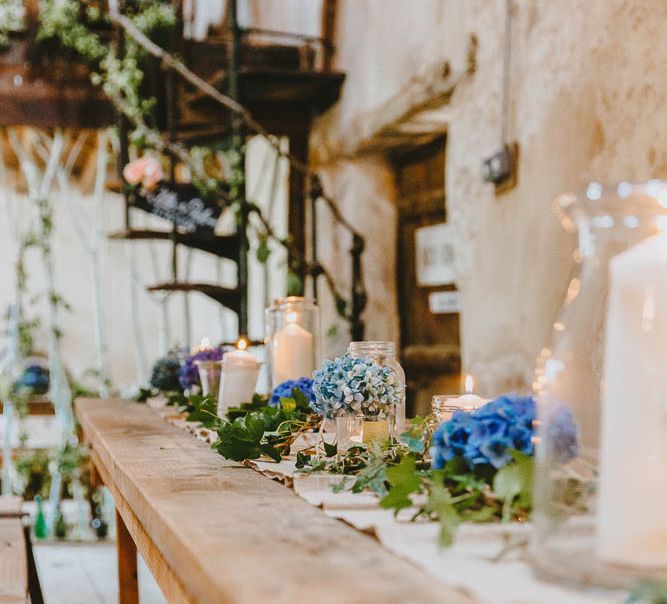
(443, 406)
(240, 370)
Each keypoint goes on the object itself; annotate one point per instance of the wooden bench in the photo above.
(18, 573)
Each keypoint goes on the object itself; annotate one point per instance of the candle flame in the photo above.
(470, 384)
(291, 317)
(242, 344)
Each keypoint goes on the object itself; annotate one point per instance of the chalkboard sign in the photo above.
(182, 204)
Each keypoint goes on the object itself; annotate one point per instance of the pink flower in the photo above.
(145, 171)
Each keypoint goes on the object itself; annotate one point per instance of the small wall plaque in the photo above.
(435, 255)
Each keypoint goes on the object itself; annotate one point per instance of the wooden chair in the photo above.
(18, 572)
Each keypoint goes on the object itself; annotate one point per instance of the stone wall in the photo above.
(588, 102)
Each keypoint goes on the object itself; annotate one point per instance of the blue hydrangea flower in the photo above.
(486, 436)
(188, 375)
(35, 378)
(284, 390)
(561, 434)
(355, 385)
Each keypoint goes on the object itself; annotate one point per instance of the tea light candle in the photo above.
(631, 519)
(240, 370)
(444, 407)
(293, 353)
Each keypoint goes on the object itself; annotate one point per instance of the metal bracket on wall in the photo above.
(502, 168)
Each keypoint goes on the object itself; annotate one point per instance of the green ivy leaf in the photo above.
(288, 404)
(301, 400)
(241, 439)
(204, 411)
(514, 481)
(263, 249)
(404, 480)
(330, 450)
(271, 451)
(302, 459)
(341, 307)
(415, 444)
(440, 504)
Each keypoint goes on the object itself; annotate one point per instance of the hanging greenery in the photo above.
(11, 20)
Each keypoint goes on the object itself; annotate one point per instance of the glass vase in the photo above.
(601, 451)
(382, 421)
(209, 376)
(292, 339)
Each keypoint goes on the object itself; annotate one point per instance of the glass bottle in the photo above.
(292, 339)
(600, 488)
(378, 428)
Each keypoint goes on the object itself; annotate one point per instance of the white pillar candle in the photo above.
(631, 519)
(292, 352)
(240, 370)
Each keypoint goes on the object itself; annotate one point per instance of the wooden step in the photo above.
(37, 405)
(224, 246)
(229, 298)
(268, 85)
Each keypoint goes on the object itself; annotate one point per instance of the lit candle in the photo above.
(240, 370)
(445, 406)
(631, 519)
(292, 352)
(205, 344)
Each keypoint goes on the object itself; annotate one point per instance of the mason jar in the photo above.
(390, 421)
(601, 450)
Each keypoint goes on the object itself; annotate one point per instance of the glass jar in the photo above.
(392, 420)
(601, 453)
(292, 339)
(209, 376)
(443, 406)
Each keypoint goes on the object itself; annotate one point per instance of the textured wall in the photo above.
(589, 101)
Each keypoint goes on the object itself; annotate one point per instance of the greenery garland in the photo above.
(399, 472)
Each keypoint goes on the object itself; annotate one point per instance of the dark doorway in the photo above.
(429, 329)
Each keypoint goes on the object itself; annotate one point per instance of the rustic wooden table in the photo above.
(214, 532)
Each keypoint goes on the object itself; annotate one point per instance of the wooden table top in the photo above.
(215, 532)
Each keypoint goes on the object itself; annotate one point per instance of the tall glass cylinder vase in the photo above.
(601, 490)
(390, 421)
(292, 339)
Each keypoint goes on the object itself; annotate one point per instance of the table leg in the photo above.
(128, 584)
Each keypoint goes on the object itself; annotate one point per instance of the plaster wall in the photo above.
(588, 102)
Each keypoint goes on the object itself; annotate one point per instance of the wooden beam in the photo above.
(225, 296)
(224, 246)
(329, 9)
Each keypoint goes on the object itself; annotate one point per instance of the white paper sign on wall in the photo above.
(434, 256)
(444, 303)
